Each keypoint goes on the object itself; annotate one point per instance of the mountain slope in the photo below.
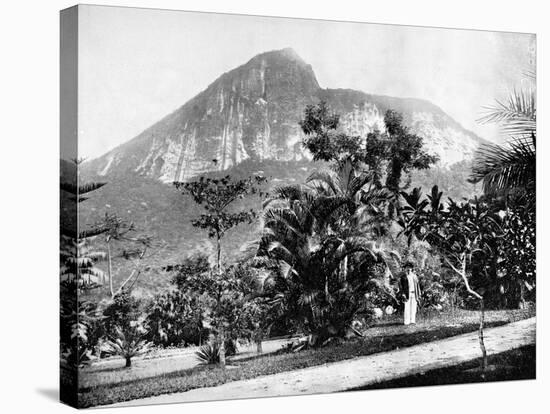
(252, 112)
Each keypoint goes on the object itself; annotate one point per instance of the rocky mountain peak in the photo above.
(252, 113)
(270, 76)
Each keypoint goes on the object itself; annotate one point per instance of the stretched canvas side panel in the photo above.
(68, 204)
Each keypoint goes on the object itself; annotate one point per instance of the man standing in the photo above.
(410, 292)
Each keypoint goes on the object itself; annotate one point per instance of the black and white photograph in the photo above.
(265, 206)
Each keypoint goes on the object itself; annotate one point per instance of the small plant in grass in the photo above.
(209, 354)
(128, 343)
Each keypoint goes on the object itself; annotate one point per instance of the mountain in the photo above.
(246, 122)
(252, 113)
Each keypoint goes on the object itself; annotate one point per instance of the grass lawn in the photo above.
(517, 364)
(386, 335)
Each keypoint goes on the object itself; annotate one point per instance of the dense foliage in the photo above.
(176, 319)
(327, 257)
(321, 241)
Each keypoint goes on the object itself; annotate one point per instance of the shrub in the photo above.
(209, 354)
(80, 328)
(128, 343)
(175, 318)
(121, 313)
(123, 328)
(433, 294)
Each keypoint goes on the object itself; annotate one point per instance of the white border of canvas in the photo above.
(29, 207)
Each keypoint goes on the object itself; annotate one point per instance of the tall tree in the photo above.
(324, 139)
(404, 151)
(216, 195)
(78, 271)
(135, 249)
(396, 150)
(115, 229)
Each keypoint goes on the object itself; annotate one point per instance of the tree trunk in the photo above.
(219, 252)
(462, 272)
(222, 348)
(345, 268)
(128, 362)
(109, 268)
(521, 304)
(453, 301)
(481, 341)
(259, 349)
(222, 331)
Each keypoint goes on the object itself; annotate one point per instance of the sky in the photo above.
(138, 65)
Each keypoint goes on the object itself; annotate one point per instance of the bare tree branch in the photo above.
(462, 273)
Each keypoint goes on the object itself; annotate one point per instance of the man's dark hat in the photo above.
(408, 265)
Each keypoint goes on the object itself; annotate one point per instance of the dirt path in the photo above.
(340, 376)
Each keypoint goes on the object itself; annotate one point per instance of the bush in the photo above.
(128, 343)
(434, 295)
(123, 327)
(209, 354)
(121, 313)
(80, 328)
(190, 266)
(175, 319)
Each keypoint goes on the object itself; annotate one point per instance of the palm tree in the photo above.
(509, 170)
(340, 191)
(306, 241)
(359, 206)
(510, 167)
(127, 343)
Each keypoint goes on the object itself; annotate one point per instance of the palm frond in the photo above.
(325, 180)
(209, 354)
(518, 115)
(287, 192)
(357, 183)
(280, 252)
(505, 167)
(283, 216)
(81, 189)
(531, 74)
